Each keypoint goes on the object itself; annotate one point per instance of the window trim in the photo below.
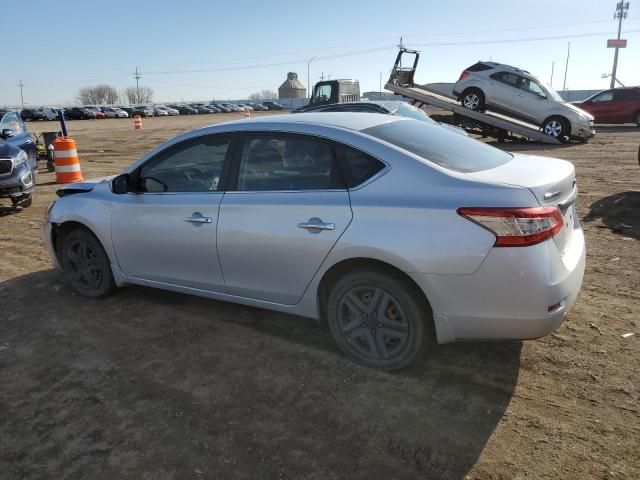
(232, 184)
(224, 174)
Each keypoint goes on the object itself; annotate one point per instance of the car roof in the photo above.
(350, 120)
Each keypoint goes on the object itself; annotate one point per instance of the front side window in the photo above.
(191, 166)
(603, 97)
(530, 86)
(323, 92)
(288, 162)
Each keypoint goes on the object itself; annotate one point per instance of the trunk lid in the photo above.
(552, 181)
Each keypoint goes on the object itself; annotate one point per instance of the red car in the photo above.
(620, 105)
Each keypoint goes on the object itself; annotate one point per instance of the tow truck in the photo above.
(487, 124)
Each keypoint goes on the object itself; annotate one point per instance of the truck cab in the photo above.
(327, 92)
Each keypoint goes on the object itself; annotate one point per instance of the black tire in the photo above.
(377, 319)
(86, 264)
(637, 118)
(473, 99)
(557, 127)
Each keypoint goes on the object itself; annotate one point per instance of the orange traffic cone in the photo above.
(137, 122)
(66, 161)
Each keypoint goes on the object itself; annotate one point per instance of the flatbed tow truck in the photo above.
(487, 124)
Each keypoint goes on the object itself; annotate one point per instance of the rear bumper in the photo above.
(510, 295)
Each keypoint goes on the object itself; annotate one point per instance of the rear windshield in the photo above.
(439, 145)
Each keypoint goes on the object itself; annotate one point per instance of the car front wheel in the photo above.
(86, 264)
(377, 319)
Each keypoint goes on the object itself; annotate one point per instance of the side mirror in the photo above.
(7, 133)
(120, 184)
(542, 95)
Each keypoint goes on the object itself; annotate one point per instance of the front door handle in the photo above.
(317, 224)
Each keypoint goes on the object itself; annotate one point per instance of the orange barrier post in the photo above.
(66, 161)
(137, 122)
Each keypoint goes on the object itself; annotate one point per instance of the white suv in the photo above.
(517, 93)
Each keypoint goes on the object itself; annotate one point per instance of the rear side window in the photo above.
(507, 77)
(288, 162)
(358, 166)
(440, 146)
(478, 67)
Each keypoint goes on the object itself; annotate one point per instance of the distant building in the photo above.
(292, 88)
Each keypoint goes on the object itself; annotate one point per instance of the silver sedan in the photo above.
(397, 232)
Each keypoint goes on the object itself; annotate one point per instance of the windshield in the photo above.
(552, 93)
(440, 146)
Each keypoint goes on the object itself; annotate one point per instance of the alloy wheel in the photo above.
(471, 101)
(553, 128)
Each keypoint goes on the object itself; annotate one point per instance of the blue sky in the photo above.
(201, 50)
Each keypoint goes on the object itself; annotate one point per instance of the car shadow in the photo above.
(620, 212)
(630, 128)
(9, 210)
(148, 379)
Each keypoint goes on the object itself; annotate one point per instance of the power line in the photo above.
(515, 40)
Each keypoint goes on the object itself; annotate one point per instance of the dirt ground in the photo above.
(154, 385)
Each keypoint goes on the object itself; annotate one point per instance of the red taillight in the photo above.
(463, 75)
(517, 227)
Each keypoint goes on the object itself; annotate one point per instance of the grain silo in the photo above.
(292, 88)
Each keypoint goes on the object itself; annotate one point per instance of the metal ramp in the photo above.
(489, 123)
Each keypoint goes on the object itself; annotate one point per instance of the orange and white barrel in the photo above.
(66, 161)
(137, 122)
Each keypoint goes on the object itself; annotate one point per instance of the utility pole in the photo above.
(380, 88)
(621, 12)
(308, 81)
(21, 97)
(137, 77)
(552, 65)
(566, 67)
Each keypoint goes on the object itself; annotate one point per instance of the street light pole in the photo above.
(620, 13)
(566, 67)
(308, 77)
(21, 97)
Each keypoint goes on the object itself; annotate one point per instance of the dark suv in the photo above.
(18, 163)
(32, 114)
(79, 113)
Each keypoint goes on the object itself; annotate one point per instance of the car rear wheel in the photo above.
(557, 127)
(473, 99)
(376, 319)
(86, 264)
(638, 119)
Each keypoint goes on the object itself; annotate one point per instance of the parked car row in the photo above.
(95, 111)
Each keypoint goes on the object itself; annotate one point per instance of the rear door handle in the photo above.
(198, 219)
(317, 226)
